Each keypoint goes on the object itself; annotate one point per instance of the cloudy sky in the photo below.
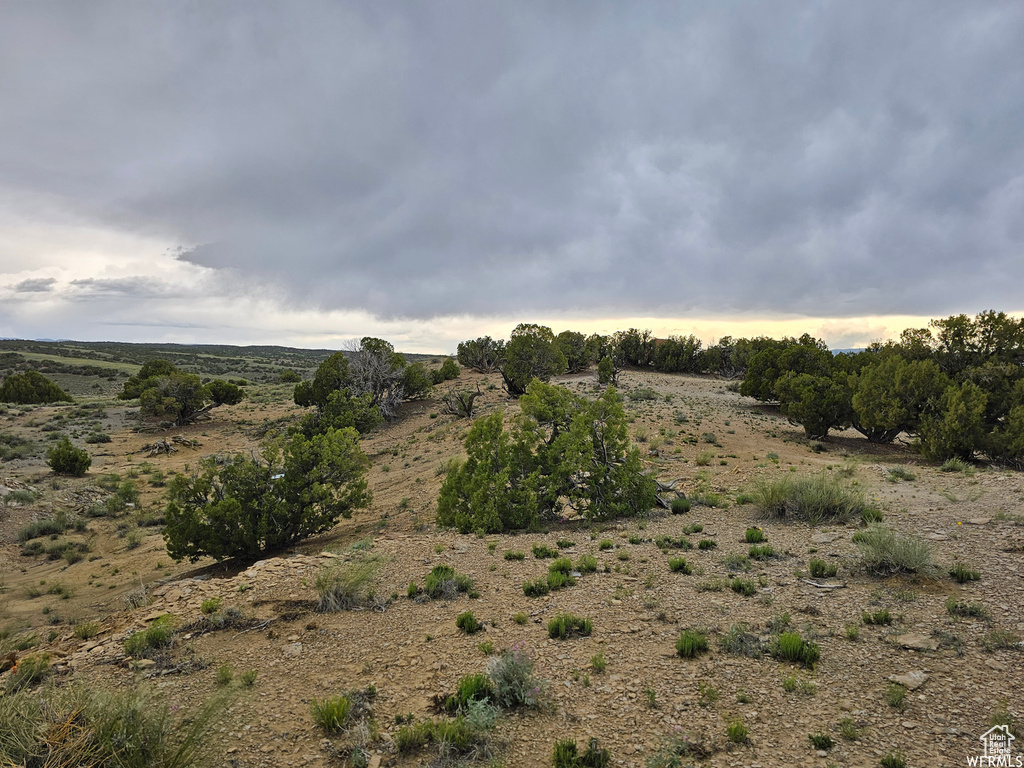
(305, 172)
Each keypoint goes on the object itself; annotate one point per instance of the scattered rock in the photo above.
(910, 680)
(917, 642)
(293, 650)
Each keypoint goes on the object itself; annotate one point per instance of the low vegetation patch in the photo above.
(790, 646)
(817, 499)
(343, 586)
(567, 755)
(691, 643)
(565, 625)
(885, 552)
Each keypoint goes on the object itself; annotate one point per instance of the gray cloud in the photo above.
(36, 285)
(421, 160)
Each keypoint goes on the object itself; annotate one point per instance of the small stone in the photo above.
(910, 680)
(980, 520)
(917, 642)
(293, 650)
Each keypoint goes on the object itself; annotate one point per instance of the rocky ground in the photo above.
(954, 670)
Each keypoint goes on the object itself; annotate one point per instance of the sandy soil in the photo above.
(411, 651)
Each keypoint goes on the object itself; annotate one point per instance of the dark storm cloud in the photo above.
(424, 159)
(37, 285)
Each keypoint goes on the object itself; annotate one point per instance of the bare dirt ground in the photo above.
(714, 442)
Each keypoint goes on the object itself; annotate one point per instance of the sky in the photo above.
(304, 172)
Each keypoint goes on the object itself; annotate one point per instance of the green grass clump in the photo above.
(885, 552)
(901, 473)
(753, 536)
(761, 552)
(453, 737)
(848, 729)
(599, 663)
(965, 609)
(444, 582)
(962, 574)
(339, 587)
(737, 732)
(566, 755)
(87, 629)
(706, 544)
(542, 551)
(744, 587)
(605, 544)
(160, 634)
(520, 618)
(691, 643)
(331, 715)
(134, 728)
(896, 696)
(210, 605)
(667, 542)
(565, 625)
(955, 465)
(821, 570)
(514, 554)
(679, 565)
(536, 588)
(477, 687)
(586, 564)
(893, 760)
(881, 617)
(815, 500)
(31, 670)
(559, 580)
(789, 646)
(467, 623)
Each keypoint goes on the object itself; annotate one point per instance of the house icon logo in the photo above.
(997, 746)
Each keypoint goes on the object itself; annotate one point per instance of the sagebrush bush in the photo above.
(680, 506)
(739, 640)
(814, 500)
(885, 552)
(511, 674)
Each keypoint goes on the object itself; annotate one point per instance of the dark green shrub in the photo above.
(680, 506)
(821, 741)
(707, 544)
(31, 387)
(761, 552)
(248, 507)
(515, 555)
(64, 459)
